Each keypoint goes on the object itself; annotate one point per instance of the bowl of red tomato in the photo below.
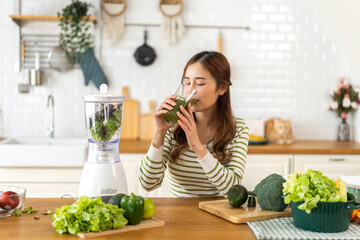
(12, 199)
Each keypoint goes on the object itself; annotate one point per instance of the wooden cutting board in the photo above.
(147, 123)
(149, 223)
(130, 125)
(222, 208)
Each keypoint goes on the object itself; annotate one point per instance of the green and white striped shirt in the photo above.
(191, 177)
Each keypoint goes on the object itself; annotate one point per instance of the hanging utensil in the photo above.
(145, 55)
(24, 86)
(61, 60)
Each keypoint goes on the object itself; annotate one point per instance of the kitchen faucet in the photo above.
(51, 129)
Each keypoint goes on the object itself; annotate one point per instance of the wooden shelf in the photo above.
(19, 18)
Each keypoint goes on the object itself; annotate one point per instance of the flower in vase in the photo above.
(345, 98)
(354, 105)
(346, 102)
(333, 105)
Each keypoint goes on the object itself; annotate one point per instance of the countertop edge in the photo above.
(298, 147)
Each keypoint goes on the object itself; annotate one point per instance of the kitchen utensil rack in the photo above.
(247, 28)
(27, 44)
(41, 43)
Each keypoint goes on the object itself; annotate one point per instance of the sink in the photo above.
(43, 152)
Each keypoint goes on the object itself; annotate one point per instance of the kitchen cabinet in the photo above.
(331, 165)
(42, 181)
(259, 166)
(47, 182)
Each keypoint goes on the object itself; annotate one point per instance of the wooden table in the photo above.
(183, 220)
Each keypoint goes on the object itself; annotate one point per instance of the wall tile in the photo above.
(284, 66)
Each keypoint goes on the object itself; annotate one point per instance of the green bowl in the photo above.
(326, 217)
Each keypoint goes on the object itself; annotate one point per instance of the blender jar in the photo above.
(103, 113)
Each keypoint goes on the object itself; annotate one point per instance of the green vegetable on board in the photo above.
(312, 187)
(88, 215)
(134, 208)
(116, 199)
(149, 208)
(269, 193)
(237, 195)
(251, 200)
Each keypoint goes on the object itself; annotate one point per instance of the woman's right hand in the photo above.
(161, 124)
(167, 104)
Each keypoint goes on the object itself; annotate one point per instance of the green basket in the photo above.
(326, 217)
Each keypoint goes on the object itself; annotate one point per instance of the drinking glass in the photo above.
(180, 100)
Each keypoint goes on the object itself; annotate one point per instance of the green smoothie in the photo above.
(171, 116)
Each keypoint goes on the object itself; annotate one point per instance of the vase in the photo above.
(343, 131)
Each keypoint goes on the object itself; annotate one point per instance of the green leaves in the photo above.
(88, 215)
(29, 210)
(104, 129)
(311, 187)
(74, 25)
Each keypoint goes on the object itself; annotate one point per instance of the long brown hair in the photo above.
(219, 68)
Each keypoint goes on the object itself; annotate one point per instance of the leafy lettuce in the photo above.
(88, 215)
(312, 187)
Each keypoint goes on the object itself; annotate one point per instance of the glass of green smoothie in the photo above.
(180, 100)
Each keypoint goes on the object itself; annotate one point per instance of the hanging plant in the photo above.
(75, 35)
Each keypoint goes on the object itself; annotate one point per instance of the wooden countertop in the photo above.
(299, 147)
(183, 220)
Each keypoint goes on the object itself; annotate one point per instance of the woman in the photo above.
(204, 154)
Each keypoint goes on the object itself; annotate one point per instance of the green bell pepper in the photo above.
(134, 208)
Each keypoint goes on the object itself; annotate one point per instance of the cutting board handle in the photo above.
(152, 105)
(219, 48)
(125, 92)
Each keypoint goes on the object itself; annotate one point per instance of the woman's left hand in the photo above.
(187, 123)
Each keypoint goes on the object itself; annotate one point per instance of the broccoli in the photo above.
(269, 193)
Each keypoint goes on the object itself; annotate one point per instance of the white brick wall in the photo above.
(284, 66)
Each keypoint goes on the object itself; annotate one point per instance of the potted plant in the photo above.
(76, 38)
(345, 99)
(75, 34)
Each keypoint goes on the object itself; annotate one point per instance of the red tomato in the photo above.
(9, 200)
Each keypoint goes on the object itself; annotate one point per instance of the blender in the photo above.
(103, 173)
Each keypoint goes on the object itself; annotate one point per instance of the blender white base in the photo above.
(102, 179)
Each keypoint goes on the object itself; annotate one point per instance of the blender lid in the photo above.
(107, 97)
(104, 96)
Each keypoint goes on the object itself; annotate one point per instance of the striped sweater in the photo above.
(191, 177)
